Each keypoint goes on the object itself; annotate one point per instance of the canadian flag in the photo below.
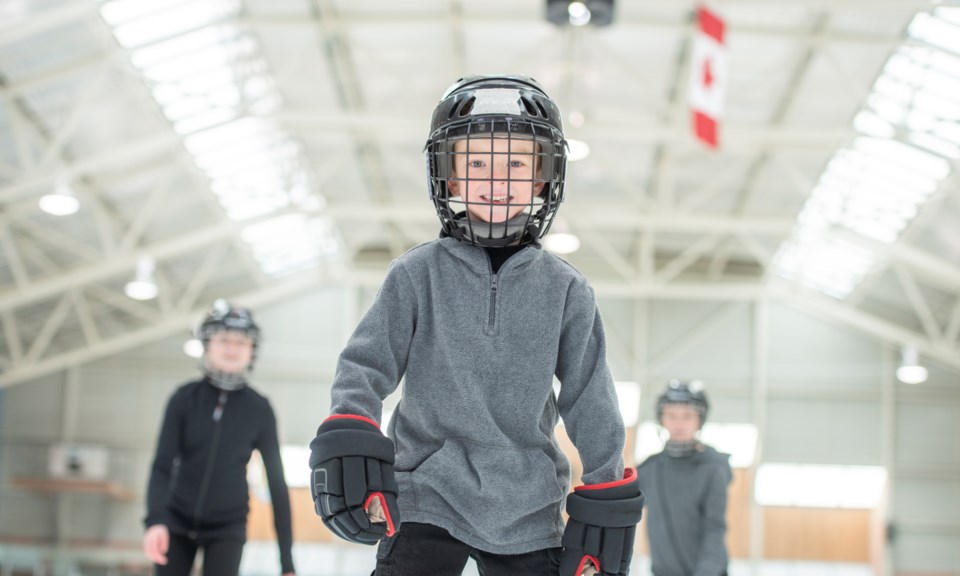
(708, 74)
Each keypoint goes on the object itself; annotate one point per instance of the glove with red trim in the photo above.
(602, 525)
(352, 464)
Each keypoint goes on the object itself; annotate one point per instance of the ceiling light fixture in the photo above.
(193, 348)
(62, 201)
(910, 371)
(561, 240)
(577, 150)
(580, 12)
(143, 286)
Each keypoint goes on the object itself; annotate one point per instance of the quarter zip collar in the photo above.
(475, 257)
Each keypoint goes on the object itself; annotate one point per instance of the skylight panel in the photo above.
(937, 31)
(934, 144)
(908, 158)
(887, 108)
(162, 25)
(831, 265)
(119, 11)
(206, 119)
(184, 45)
(209, 77)
(218, 58)
(249, 154)
(872, 188)
(892, 88)
(940, 84)
(244, 129)
(951, 15)
(871, 124)
(226, 97)
(290, 241)
(949, 131)
(946, 63)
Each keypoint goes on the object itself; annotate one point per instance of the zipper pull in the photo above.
(218, 411)
(493, 283)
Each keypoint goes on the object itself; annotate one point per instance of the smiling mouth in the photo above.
(495, 199)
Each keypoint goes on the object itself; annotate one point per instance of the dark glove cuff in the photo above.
(341, 436)
(612, 505)
(628, 487)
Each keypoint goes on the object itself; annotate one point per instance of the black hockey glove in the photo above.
(603, 522)
(352, 465)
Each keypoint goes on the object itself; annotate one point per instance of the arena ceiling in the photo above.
(258, 149)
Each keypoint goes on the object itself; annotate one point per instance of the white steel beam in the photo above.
(49, 330)
(146, 213)
(104, 161)
(948, 354)
(760, 395)
(63, 243)
(201, 277)
(165, 327)
(46, 20)
(119, 264)
(620, 265)
(123, 303)
(12, 256)
(348, 19)
(87, 324)
(677, 350)
(587, 215)
(917, 301)
(11, 336)
(953, 326)
(691, 254)
(737, 137)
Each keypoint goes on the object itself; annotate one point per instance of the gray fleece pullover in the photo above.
(687, 497)
(474, 429)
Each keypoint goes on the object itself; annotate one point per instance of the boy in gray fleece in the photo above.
(478, 323)
(686, 489)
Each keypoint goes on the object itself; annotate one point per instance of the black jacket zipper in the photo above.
(211, 458)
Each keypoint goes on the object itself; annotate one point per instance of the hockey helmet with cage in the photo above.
(223, 316)
(493, 108)
(690, 393)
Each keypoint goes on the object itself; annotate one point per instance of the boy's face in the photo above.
(229, 351)
(681, 421)
(494, 176)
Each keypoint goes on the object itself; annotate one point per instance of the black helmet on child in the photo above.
(493, 108)
(224, 316)
(689, 393)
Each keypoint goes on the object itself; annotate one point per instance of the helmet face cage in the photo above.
(224, 316)
(688, 393)
(496, 161)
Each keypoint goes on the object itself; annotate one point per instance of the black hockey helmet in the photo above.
(680, 392)
(225, 316)
(493, 108)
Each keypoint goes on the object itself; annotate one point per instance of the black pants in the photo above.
(420, 549)
(220, 557)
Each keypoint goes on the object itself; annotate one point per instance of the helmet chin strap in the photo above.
(477, 230)
(681, 448)
(226, 381)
